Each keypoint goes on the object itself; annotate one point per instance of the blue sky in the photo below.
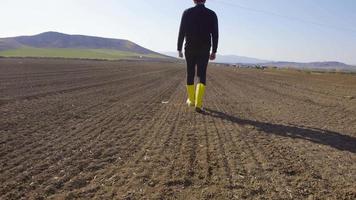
(288, 30)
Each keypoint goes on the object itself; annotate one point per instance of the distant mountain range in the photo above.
(241, 59)
(234, 59)
(54, 44)
(230, 59)
(313, 65)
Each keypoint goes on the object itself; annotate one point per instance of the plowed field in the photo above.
(121, 130)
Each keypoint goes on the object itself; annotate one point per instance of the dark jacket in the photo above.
(199, 26)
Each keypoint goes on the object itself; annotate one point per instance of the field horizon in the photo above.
(60, 45)
(104, 54)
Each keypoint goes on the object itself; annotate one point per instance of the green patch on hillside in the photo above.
(106, 54)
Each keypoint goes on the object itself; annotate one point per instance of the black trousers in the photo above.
(197, 61)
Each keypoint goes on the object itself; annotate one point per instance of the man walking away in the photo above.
(199, 28)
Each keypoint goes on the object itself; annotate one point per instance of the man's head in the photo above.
(199, 1)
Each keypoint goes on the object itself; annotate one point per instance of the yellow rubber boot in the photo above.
(191, 95)
(199, 96)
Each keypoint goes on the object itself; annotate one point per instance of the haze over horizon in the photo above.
(280, 30)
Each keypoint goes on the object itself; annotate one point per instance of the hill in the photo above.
(331, 65)
(54, 44)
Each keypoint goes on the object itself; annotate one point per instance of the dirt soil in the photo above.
(74, 129)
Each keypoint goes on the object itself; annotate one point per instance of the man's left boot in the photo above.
(191, 95)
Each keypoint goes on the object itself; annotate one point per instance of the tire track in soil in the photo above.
(260, 178)
(185, 174)
(140, 149)
(62, 118)
(210, 153)
(62, 82)
(277, 174)
(285, 97)
(181, 156)
(48, 156)
(190, 155)
(102, 111)
(195, 167)
(287, 165)
(171, 177)
(131, 170)
(132, 141)
(284, 94)
(74, 89)
(50, 73)
(59, 77)
(190, 145)
(141, 139)
(72, 108)
(223, 157)
(235, 170)
(89, 68)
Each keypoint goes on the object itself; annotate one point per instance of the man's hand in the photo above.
(180, 54)
(212, 56)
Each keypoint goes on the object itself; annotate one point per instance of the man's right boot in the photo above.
(199, 97)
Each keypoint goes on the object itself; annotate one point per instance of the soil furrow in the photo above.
(122, 130)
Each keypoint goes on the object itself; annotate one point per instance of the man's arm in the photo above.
(182, 31)
(215, 33)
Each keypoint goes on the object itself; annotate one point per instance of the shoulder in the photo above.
(189, 10)
(211, 12)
